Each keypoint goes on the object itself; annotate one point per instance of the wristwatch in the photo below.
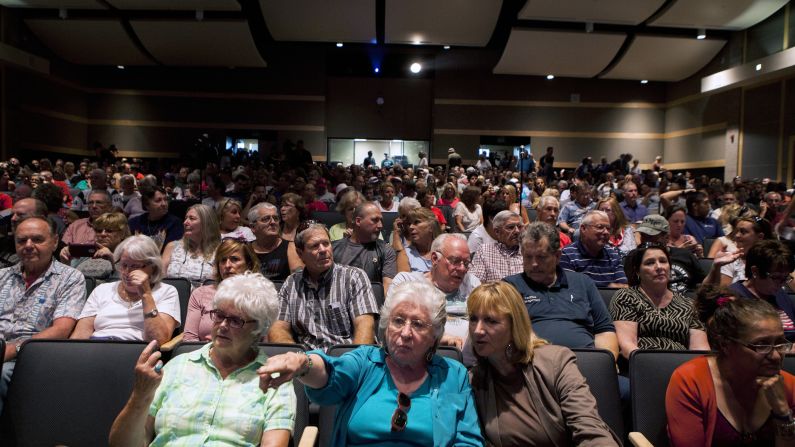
(786, 425)
(152, 313)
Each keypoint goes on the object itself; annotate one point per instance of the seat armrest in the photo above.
(638, 440)
(171, 344)
(308, 437)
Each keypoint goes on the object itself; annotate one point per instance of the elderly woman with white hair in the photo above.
(399, 393)
(211, 395)
(137, 307)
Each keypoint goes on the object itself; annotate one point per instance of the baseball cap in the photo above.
(340, 187)
(653, 225)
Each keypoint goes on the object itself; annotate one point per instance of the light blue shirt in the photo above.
(359, 374)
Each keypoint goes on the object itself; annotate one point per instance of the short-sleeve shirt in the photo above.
(376, 258)
(456, 300)
(169, 224)
(603, 269)
(569, 313)
(734, 270)
(116, 318)
(635, 214)
(469, 219)
(572, 213)
(492, 262)
(195, 406)
(59, 292)
(321, 315)
(417, 262)
(707, 228)
(195, 268)
(666, 328)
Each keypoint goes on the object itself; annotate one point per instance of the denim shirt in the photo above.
(355, 376)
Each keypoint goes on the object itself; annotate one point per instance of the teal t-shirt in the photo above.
(372, 424)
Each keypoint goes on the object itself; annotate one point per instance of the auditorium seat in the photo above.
(327, 413)
(447, 212)
(706, 264)
(389, 224)
(68, 392)
(607, 294)
(599, 369)
(183, 290)
(91, 283)
(708, 244)
(328, 218)
(302, 427)
(649, 374)
(278, 285)
(379, 292)
(532, 214)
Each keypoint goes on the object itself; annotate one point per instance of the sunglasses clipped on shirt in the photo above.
(401, 417)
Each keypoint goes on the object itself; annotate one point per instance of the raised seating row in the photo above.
(68, 392)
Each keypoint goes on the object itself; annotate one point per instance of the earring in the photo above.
(510, 351)
(429, 355)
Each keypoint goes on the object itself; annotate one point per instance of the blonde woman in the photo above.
(192, 256)
(527, 392)
(230, 218)
(622, 235)
(509, 196)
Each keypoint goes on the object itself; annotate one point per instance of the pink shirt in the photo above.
(198, 325)
(80, 232)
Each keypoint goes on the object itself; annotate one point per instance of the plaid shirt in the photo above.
(321, 315)
(492, 262)
(58, 292)
(194, 406)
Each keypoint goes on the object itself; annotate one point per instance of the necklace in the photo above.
(125, 296)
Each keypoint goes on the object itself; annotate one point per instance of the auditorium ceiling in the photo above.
(611, 39)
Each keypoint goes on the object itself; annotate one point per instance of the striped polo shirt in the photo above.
(603, 269)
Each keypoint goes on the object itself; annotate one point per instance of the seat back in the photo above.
(328, 218)
(599, 369)
(532, 214)
(649, 374)
(389, 223)
(91, 283)
(705, 264)
(708, 244)
(271, 349)
(68, 392)
(327, 413)
(378, 291)
(789, 364)
(278, 285)
(183, 290)
(607, 294)
(447, 212)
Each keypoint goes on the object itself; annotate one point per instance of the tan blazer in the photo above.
(558, 390)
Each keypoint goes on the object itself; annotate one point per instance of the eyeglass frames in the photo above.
(781, 348)
(234, 322)
(400, 417)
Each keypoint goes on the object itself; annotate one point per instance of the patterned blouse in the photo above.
(665, 328)
(194, 268)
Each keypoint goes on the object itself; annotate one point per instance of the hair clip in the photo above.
(723, 300)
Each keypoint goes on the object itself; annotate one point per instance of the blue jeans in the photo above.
(8, 369)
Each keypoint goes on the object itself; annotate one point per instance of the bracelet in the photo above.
(786, 417)
(786, 429)
(307, 366)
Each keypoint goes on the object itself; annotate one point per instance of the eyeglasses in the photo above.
(780, 277)
(400, 417)
(781, 348)
(598, 227)
(234, 322)
(105, 230)
(265, 219)
(417, 326)
(458, 262)
(127, 267)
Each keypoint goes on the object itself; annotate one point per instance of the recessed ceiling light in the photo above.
(550, 77)
(447, 47)
(339, 44)
(702, 34)
(415, 67)
(377, 70)
(120, 67)
(644, 81)
(417, 42)
(758, 67)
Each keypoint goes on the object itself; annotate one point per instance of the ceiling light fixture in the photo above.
(199, 15)
(339, 44)
(550, 77)
(377, 70)
(758, 67)
(415, 68)
(644, 81)
(447, 47)
(120, 67)
(702, 34)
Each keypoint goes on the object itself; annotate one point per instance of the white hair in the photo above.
(253, 295)
(589, 216)
(421, 293)
(544, 199)
(143, 249)
(440, 240)
(253, 213)
(407, 204)
(502, 217)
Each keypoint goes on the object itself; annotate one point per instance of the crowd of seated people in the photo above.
(502, 261)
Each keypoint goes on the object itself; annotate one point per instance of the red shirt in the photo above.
(5, 201)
